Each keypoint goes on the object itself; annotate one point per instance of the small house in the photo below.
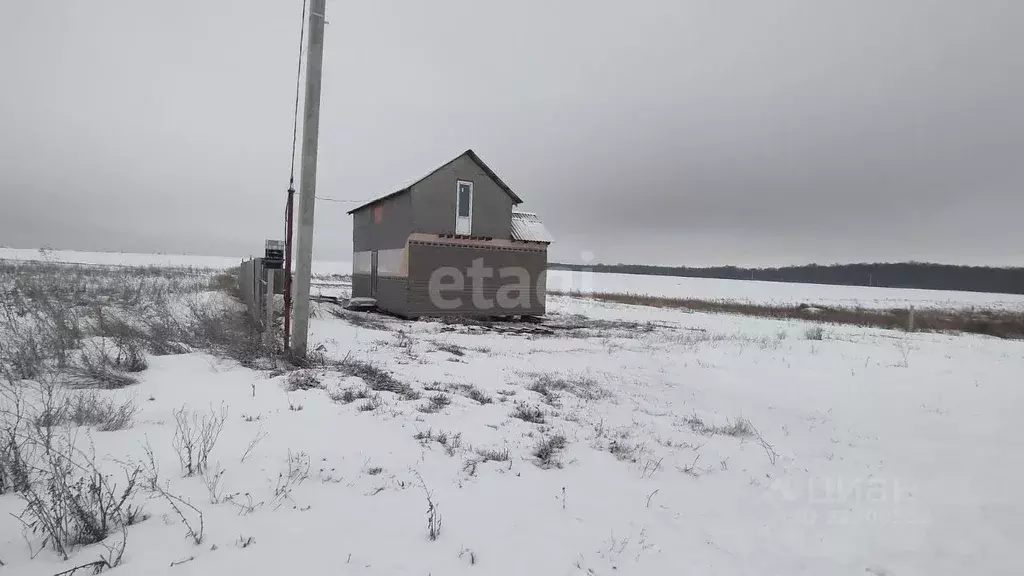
(451, 243)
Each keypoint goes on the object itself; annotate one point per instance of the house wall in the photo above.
(427, 257)
(387, 238)
(392, 230)
(360, 285)
(391, 292)
(434, 200)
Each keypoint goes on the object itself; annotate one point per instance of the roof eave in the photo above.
(476, 158)
(376, 200)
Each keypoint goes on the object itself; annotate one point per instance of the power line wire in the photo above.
(339, 201)
(298, 85)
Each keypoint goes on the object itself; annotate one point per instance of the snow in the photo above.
(759, 292)
(875, 452)
(325, 267)
(588, 282)
(118, 258)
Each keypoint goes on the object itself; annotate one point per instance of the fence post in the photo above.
(268, 323)
(910, 319)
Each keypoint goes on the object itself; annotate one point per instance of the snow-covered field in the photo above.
(757, 292)
(667, 286)
(324, 267)
(118, 258)
(658, 442)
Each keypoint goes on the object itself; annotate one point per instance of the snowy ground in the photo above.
(325, 267)
(693, 444)
(757, 292)
(668, 286)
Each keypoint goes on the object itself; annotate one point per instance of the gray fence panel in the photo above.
(252, 287)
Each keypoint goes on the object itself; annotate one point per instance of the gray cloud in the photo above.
(670, 131)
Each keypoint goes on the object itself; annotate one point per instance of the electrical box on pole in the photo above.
(273, 255)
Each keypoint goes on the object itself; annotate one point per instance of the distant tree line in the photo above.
(893, 275)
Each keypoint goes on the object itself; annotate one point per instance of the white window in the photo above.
(464, 207)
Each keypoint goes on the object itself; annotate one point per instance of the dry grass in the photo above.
(1000, 323)
(582, 323)
(814, 333)
(435, 403)
(470, 391)
(65, 326)
(98, 368)
(349, 395)
(579, 385)
(378, 379)
(134, 310)
(528, 413)
(302, 380)
(450, 441)
(739, 428)
(451, 348)
(106, 414)
(624, 450)
(547, 449)
(359, 319)
(372, 403)
(494, 454)
(87, 408)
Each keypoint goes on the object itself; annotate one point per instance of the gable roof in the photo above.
(473, 155)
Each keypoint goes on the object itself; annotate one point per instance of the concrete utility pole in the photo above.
(307, 184)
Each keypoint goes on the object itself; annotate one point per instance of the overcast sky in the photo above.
(750, 132)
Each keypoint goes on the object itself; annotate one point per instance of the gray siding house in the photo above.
(450, 243)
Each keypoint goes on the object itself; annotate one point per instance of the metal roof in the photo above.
(515, 199)
(527, 226)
